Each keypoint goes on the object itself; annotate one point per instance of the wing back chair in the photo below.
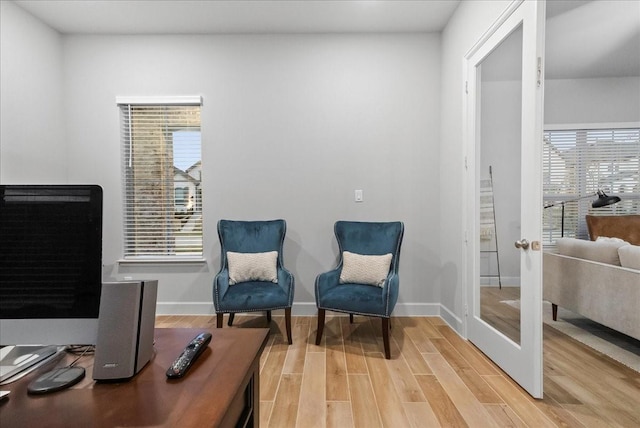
(366, 281)
(252, 276)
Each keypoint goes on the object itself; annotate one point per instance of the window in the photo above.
(579, 162)
(162, 173)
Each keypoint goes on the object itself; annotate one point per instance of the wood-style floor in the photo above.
(434, 378)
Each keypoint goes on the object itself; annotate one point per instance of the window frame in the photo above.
(165, 255)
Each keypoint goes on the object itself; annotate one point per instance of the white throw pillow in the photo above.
(252, 267)
(597, 251)
(364, 269)
(607, 239)
(630, 256)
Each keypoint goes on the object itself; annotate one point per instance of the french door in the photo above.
(503, 189)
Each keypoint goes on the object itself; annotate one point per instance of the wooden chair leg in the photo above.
(554, 311)
(320, 326)
(268, 316)
(287, 320)
(219, 317)
(350, 318)
(385, 338)
(231, 316)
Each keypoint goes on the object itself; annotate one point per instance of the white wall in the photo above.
(32, 132)
(291, 125)
(470, 21)
(602, 100)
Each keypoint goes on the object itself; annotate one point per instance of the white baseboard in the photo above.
(304, 309)
(417, 310)
(184, 308)
(310, 309)
(298, 309)
(455, 322)
(507, 281)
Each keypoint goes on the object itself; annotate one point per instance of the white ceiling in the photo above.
(238, 16)
(584, 38)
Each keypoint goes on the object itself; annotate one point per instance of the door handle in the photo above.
(522, 243)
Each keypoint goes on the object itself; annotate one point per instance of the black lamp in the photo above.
(602, 201)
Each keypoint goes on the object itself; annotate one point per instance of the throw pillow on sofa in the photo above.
(630, 256)
(603, 251)
(607, 239)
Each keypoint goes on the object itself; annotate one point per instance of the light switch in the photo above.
(358, 195)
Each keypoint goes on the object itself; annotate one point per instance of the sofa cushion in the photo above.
(630, 256)
(598, 251)
(252, 267)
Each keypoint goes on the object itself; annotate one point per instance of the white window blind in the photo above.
(162, 173)
(579, 162)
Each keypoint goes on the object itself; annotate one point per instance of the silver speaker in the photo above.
(125, 329)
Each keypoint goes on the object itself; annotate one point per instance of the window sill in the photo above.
(162, 260)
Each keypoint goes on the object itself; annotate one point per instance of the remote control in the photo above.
(189, 355)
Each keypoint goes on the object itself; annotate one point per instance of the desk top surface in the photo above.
(148, 399)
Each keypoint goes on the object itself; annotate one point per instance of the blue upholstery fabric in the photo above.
(370, 239)
(252, 237)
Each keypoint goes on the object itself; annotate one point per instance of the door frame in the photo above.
(523, 362)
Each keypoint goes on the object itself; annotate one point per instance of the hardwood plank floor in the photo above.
(434, 378)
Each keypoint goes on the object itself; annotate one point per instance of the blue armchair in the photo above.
(251, 246)
(367, 247)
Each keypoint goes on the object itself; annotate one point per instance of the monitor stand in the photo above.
(17, 361)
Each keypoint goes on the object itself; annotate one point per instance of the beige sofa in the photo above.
(598, 279)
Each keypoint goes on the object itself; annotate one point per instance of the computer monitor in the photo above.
(50, 264)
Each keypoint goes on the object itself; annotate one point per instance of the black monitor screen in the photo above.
(50, 251)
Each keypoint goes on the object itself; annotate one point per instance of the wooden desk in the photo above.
(220, 389)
